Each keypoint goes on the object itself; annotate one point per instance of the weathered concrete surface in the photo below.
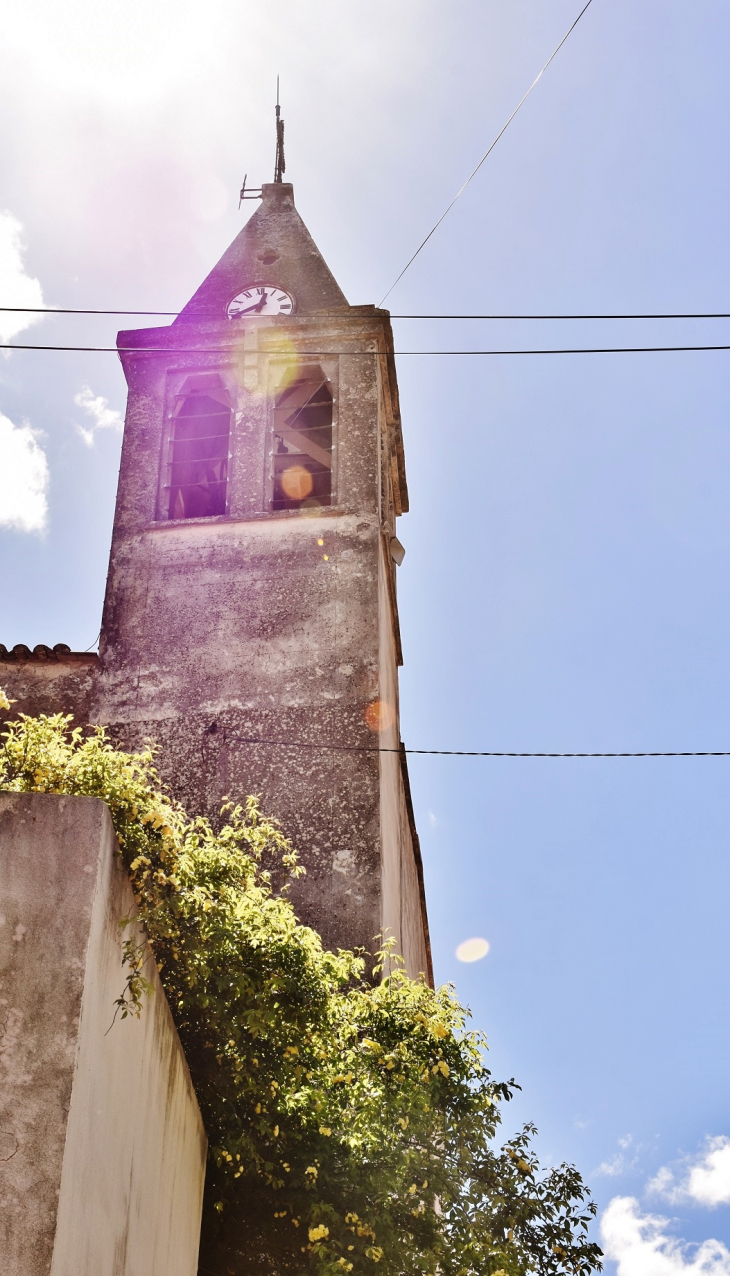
(102, 1149)
(274, 245)
(48, 680)
(258, 648)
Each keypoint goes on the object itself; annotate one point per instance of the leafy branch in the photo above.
(352, 1123)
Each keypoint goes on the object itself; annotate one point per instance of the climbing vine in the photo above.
(352, 1122)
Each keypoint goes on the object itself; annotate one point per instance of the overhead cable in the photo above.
(486, 153)
(59, 310)
(400, 354)
(594, 316)
(476, 753)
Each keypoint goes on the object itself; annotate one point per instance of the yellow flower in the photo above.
(311, 1169)
(276, 1131)
(444, 1068)
(324, 1129)
(374, 1252)
(403, 1122)
(318, 1233)
(412, 1189)
(439, 1030)
(372, 1045)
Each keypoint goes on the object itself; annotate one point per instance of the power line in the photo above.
(612, 316)
(400, 354)
(478, 753)
(33, 310)
(59, 310)
(486, 153)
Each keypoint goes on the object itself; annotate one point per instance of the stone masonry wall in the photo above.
(48, 680)
(248, 645)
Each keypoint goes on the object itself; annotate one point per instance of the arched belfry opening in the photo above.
(196, 480)
(302, 453)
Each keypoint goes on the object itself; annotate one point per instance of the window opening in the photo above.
(198, 472)
(303, 444)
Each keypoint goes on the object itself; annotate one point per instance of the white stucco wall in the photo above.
(102, 1148)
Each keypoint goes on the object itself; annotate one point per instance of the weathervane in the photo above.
(256, 192)
(280, 165)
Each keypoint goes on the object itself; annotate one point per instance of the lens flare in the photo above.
(296, 482)
(254, 356)
(281, 347)
(379, 715)
(472, 950)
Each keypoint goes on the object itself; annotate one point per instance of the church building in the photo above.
(250, 624)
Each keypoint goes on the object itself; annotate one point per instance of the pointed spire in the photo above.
(273, 248)
(280, 165)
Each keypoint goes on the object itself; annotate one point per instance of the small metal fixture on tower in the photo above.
(280, 165)
(256, 192)
(250, 192)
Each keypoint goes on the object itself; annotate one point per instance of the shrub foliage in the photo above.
(351, 1121)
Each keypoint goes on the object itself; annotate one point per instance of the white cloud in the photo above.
(103, 417)
(705, 1180)
(23, 478)
(664, 1184)
(16, 287)
(621, 1162)
(640, 1245)
(709, 1181)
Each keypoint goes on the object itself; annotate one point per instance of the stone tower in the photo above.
(250, 624)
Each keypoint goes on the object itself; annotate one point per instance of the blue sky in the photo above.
(566, 581)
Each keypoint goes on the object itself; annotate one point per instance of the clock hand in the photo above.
(262, 302)
(256, 306)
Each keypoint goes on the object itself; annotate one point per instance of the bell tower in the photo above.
(250, 623)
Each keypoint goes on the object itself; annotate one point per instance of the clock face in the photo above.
(260, 299)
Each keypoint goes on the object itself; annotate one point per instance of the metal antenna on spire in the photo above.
(280, 166)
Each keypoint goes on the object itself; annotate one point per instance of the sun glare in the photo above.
(296, 482)
(472, 950)
(379, 715)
